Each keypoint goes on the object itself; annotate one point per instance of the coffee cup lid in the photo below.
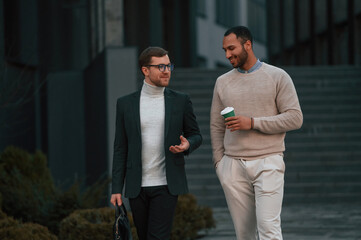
(227, 110)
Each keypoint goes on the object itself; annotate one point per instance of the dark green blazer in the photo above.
(127, 161)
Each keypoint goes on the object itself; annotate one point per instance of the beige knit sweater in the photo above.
(269, 96)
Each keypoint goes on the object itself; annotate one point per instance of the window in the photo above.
(201, 8)
(226, 12)
(257, 19)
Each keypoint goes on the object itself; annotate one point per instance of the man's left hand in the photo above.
(183, 146)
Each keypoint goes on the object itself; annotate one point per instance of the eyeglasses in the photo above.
(162, 67)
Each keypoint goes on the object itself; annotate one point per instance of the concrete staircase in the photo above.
(202, 179)
(323, 158)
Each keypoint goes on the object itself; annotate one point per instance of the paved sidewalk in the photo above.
(303, 222)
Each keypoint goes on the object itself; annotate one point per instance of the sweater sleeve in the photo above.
(217, 127)
(289, 115)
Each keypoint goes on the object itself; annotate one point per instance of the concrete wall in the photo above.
(320, 16)
(209, 43)
(66, 143)
(81, 115)
(1, 30)
(17, 108)
(111, 75)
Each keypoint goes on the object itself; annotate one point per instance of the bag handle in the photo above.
(121, 217)
(120, 210)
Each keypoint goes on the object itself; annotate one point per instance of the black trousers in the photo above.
(153, 211)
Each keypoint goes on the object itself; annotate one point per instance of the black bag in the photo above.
(121, 227)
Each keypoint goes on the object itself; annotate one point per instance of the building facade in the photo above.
(314, 32)
(215, 17)
(193, 30)
(65, 62)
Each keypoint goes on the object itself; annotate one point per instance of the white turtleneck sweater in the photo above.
(152, 115)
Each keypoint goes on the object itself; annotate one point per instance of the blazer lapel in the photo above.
(136, 112)
(168, 101)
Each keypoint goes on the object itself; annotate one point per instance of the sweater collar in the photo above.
(255, 67)
(151, 90)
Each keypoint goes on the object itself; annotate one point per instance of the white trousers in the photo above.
(254, 194)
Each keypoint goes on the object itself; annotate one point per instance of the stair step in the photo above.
(325, 177)
(331, 197)
(320, 157)
(323, 188)
(319, 128)
(325, 137)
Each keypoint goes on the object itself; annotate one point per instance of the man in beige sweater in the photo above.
(248, 148)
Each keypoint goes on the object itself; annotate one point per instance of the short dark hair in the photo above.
(241, 32)
(147, 54)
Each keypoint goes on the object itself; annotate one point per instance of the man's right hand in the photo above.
(116, 198)
(238, 123)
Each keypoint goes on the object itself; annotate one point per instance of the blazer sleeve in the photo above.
(190, 127)
(120, 151)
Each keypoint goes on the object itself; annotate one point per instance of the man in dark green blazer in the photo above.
(155, 128)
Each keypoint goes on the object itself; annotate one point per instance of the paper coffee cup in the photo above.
(228, 112)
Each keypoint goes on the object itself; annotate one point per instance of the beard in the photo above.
(242, 58)
(162, 81)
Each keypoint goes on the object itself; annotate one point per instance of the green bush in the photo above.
(98, 223)
(73, 199)
(6, 221)
(87, 225)
(31, 195)
(132, 227)
(12, 229)
(190, 218)
(91, 224)
(27, 184)
(26, 231)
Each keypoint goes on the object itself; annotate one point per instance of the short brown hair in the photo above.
(147, 54)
